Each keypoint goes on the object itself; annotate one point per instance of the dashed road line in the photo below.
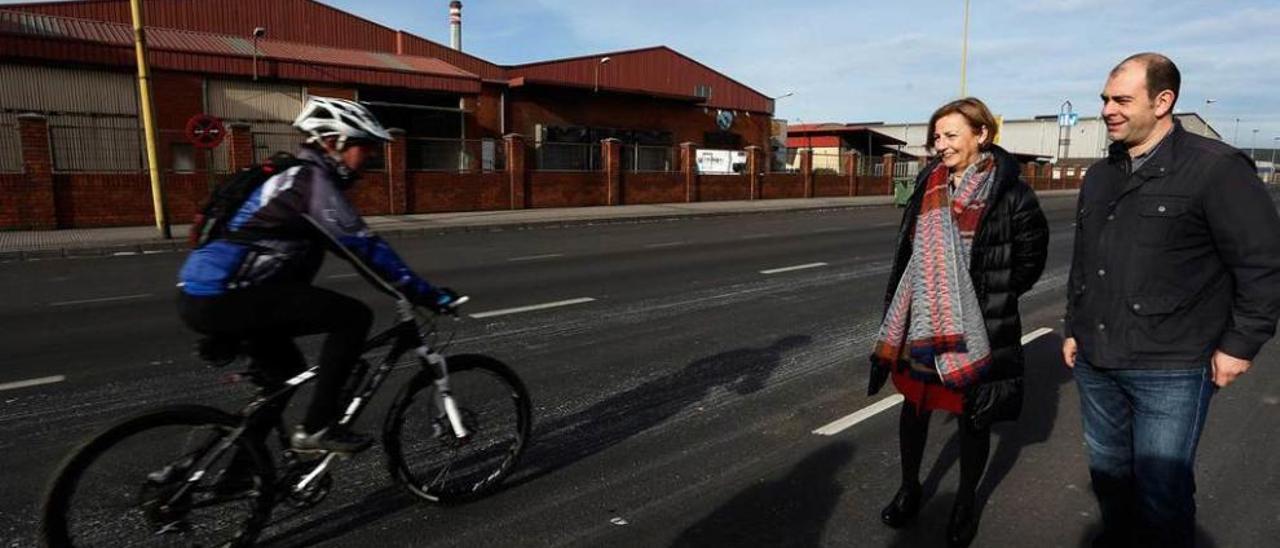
(32, 382)
(792, 268)
(531, 308)
(535, 257)
(664, 244)
(102, 300)
(859, 416)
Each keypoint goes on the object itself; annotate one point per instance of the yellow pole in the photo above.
(148, 118)
(964, 49)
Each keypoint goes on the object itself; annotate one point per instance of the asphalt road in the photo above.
(675, 403)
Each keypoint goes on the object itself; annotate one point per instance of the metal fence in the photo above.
(96, 144)
(567, 157)
(456, 155)
(785, 160)
(828, 163)
(10, 145)
(267, 143)
(648, 158)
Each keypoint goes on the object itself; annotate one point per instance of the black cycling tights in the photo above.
(270, 317)
(913, 431)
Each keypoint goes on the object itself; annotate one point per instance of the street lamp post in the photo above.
(1235, 140)
(1253, 145)
(258, 32)
(603, 60)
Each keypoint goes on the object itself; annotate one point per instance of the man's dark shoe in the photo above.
(903, 507)
(333, 439)
(963, 525)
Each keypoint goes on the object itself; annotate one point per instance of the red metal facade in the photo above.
(658, 69)
(302, 21)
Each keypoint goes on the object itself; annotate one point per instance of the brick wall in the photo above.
(782, 185)
(434, 192)
(370, 195)
(825, 185)
(652, 188)
(716, 188)
(566, 189)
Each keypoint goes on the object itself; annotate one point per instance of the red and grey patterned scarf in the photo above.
(935, 312)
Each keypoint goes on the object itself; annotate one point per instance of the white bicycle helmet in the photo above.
(329, 117)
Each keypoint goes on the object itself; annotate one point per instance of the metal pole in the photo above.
(1254, 145)
(148, 118)
(964, 49)
(1235, 141)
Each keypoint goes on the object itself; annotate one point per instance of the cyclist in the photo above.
(255, 283)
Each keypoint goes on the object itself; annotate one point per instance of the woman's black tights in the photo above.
(913, 432)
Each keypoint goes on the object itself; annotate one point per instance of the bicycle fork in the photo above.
(444, 402)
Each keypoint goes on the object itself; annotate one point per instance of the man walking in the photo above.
(1174, 288)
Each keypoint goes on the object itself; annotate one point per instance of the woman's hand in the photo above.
(1069, 352)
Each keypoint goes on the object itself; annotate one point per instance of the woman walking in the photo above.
(973, 239)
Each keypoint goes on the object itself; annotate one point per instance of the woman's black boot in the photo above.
(963, 525)
(903, 507)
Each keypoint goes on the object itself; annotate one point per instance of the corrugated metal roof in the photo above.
(13, 22)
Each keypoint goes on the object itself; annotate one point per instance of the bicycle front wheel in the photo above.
(425, 454)
(152, 481)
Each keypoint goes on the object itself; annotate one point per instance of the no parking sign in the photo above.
(205, 131)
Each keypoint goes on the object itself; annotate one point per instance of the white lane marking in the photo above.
(535, 257)
(790, 268)
(32, 382)
(124, 253)
(887, 403)
(664, 244)
(859, 416)
(531, 308)
(340, 276)
(1036, 334)
(102, 300)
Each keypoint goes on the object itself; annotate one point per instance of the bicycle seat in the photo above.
(219, 351)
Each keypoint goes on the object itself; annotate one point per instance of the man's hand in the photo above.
(1227, 367)
(1069, 352)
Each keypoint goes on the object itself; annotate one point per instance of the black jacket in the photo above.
(1174, 261)
(1009, 253)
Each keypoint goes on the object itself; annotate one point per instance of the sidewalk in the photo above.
(17, 246)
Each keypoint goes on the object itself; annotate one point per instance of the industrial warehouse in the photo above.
(639, 126)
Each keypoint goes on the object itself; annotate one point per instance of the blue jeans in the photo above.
(1142, 427)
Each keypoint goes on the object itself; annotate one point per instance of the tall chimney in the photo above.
(455, 24)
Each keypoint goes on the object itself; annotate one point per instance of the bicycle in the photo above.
(453, 433)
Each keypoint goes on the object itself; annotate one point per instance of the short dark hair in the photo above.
(974, 111)
(1162, 74)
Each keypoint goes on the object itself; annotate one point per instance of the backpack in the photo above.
(212, 221)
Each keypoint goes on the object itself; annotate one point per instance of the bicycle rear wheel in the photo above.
(432, 462)
(136, 485)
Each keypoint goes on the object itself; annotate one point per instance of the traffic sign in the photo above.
(205, 131)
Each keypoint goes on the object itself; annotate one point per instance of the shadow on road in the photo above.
(790, 511)
(1044, 376)
(562, 441)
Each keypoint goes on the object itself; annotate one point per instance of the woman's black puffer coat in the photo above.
(1009, 253)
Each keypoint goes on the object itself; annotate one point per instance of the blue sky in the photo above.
(852, 61)
(856, 61)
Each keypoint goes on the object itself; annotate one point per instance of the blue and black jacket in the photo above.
(291, 250)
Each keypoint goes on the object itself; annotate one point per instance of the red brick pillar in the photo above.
(611, 159)
(755, 171)
(241, 146)
(851, 171)
(40, 209)
(1029, 171)
(394, 157)
(806, 170)
(689, 167)
(517, 176)
(888, 171)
